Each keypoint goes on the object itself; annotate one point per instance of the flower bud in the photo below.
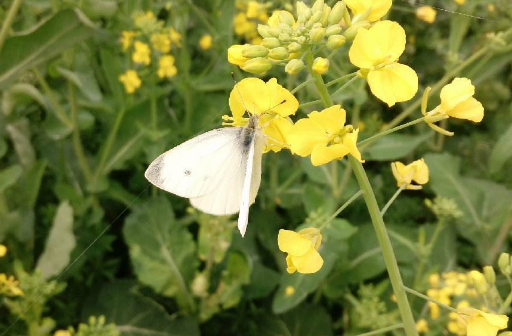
(335, 41)
(294, 66)
(504, 263)
(490, 275)
(479, 282)
(301, 39)
(284, 28)
(286, 17)
(325, 15)
(274, 32)
(235, 54)
(263, 30)
(294, 47)
(258, 65)
(314, 19)
(279, 53)
(252, 51)
(318, 6)
(336, 13)
(351, 32)
(270, 43)
(333, 30)
(316, 34)
(320, 65)
(303, 10)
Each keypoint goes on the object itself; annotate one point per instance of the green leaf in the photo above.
(3, 148)
(48, 39)
(84, 81)
(9, 176)
(215, 233)
(162, 251)
(306, 320)
(28, 188)
(59, 244)
(333, 245)
(17, 95)
(394, 146)
(19, 132)
(135, 314)
(501, 152)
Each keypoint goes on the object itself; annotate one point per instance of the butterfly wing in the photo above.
(252, 180)
(212, 164)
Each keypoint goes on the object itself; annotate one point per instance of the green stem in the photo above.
(77, 141)
(9, 19)
(344, 86)
(366, 142)
(341, 208)
(392, 199)
(59, 111)
(506, 304)
(301, 85)
(378, 223)
(383, 330)
(428, 298)
(109, 143)
(153, 110)
(342, 78)
(319, 83)
(314, 102)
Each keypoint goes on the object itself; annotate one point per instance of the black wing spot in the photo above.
(187, 172)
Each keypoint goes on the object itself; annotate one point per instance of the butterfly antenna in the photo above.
(239, 93)
(276, 105)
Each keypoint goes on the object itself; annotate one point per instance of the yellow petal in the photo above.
(293, 243)
(350, 142)
(470, 109)
(246, 96)
(305, 135)
(276, 128)
(422, 173)
(402, 173)
(235, 55)
(459, 90)
(323, 154)
(308, 263)
(381, 44)
(482, 326)
(393, 83)
(500, 321)
(290, 267)
(378, 8)
(331, 119)
(281, 101)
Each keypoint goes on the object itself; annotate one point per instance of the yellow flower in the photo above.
(460, 2)
(144, 20)
(324, 136)
(244, 27)
(62, 333)
(320, 65)
(289, 291)
(3, 250)
(377, 8)
(142, 54)
(130, 80)
(254, 9)
(273, 103)
(433, 280)
(127, 39)
(9, 286)
(457, 101)
(205, 42)
(166, 67)
(376, 52)
(422, 326)
(161, 42)
(235, 55)
(405, 175)
(281, 16)
(175, 37)
(434, 310)
(426, 13)
(302, 249)
(482, 324)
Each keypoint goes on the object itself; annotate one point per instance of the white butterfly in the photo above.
(219, 171)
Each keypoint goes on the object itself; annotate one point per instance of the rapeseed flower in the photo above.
(426, 13)
(320, 65)
(130, 80)
(302, 249)
(460, 2)
(205, 42)
(161, 42)
(142, 53)
(3, 250)
(376, 52)
(271, 102)
(480, 323)
(235, 55)
(9, 286)
(376, 9)
(324, 136)
(422, 326)
(416, 171)
(457, 102)
(175, 37)
(166, 66)
(127, 39)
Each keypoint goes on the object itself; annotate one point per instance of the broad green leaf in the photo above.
(84, 81)
(394, 146)
(501, 152)
(333, 245)
(19, 132)
(28, 188)
(316, 199)
(305, 320)
(135, 314)
(59, 244)
(18, 93)
(215, 233)
(10, 176)
(112, 68)
(50, 38)
(162, 251)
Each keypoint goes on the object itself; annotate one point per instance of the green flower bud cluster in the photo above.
(505, 264)
(444, 208)
(95, 327)
(285, 38)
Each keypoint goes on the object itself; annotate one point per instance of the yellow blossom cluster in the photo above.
(9, 286)
(302, 248)
(416, 171)
(149, 41)
(250, 14)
